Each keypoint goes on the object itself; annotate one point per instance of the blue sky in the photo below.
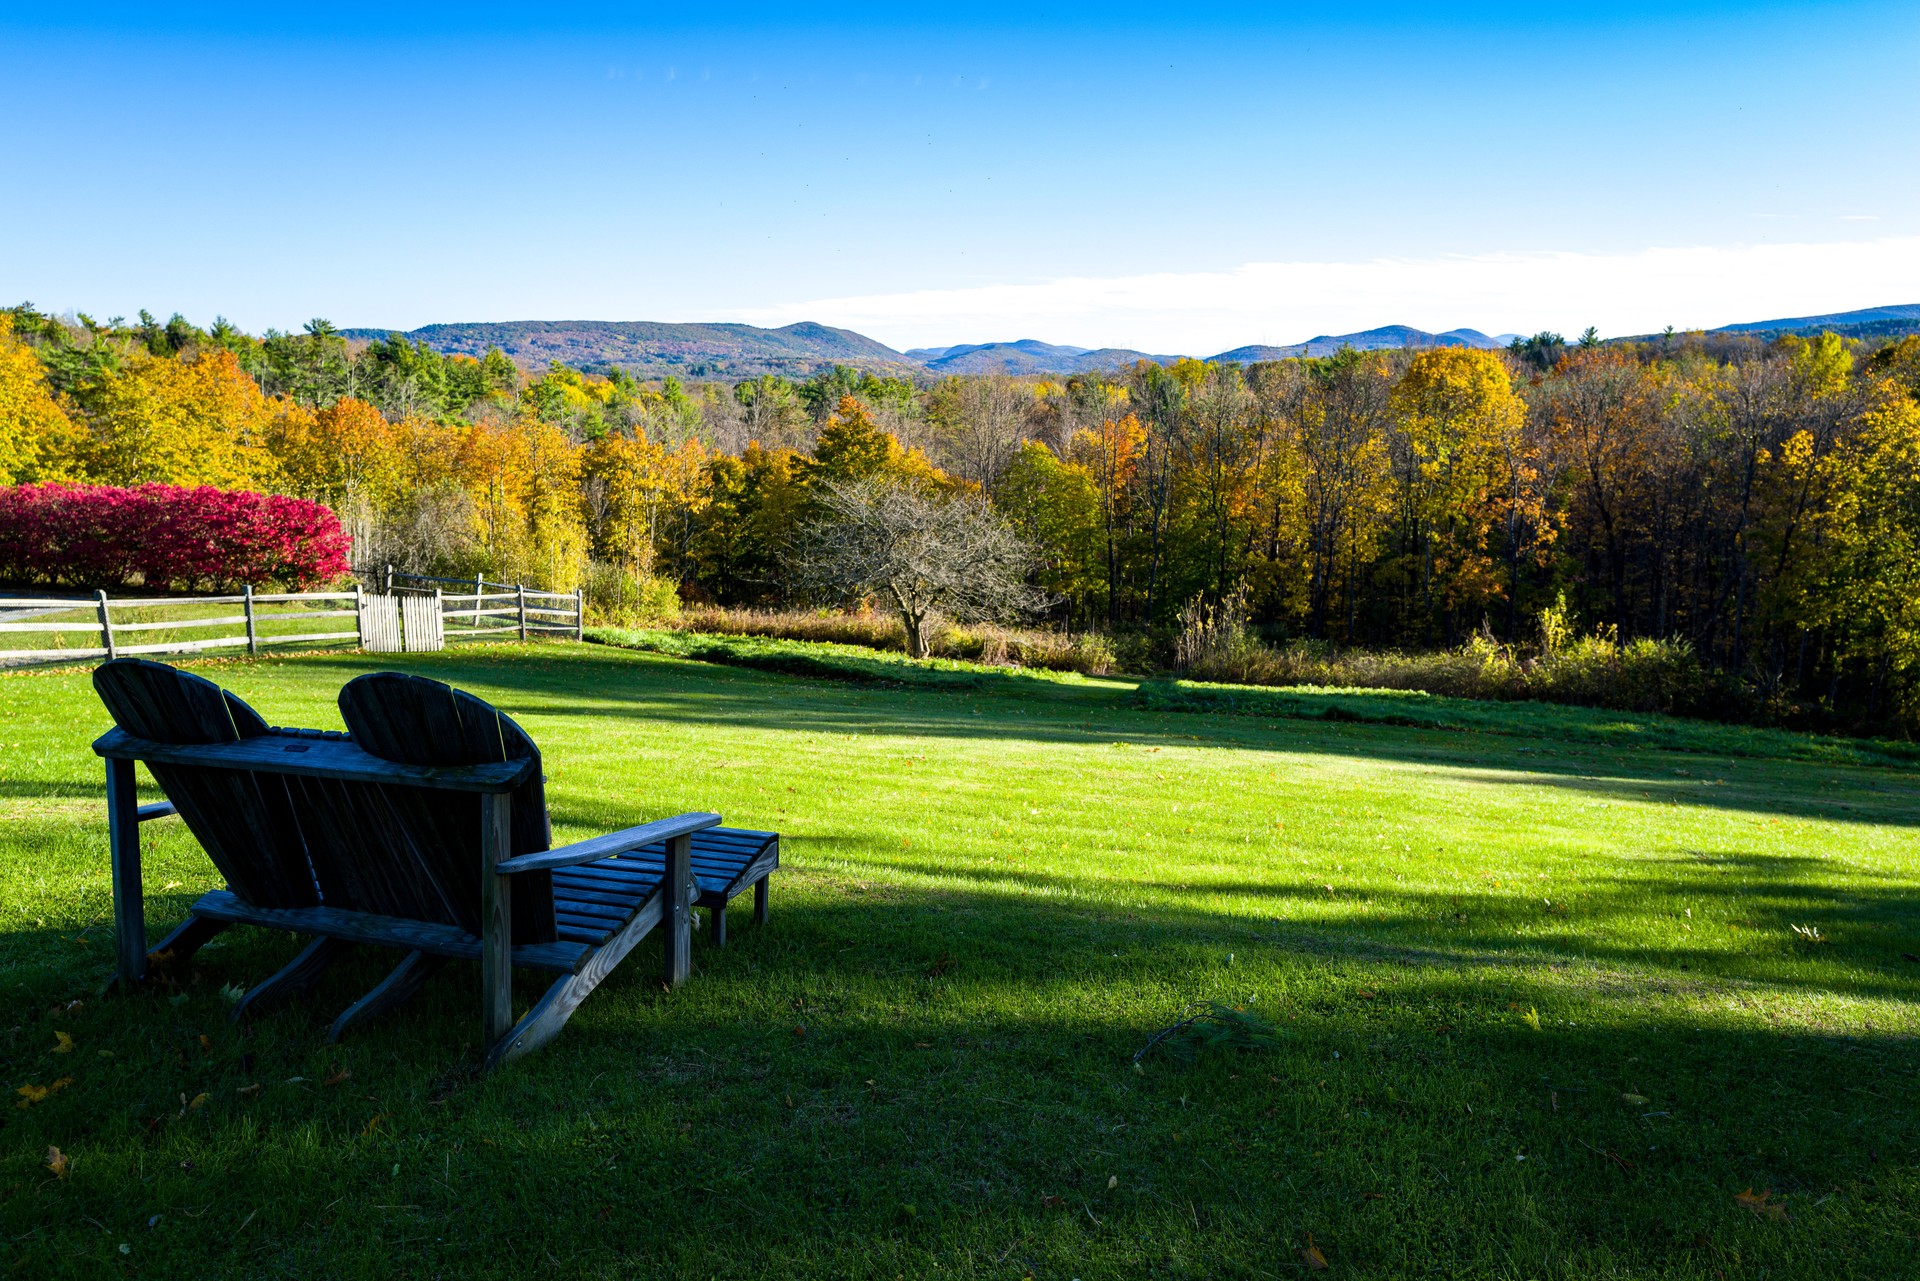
(1095, 175)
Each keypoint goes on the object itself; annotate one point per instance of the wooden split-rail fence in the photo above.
(411, 614)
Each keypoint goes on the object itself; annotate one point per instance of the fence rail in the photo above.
(408, 616)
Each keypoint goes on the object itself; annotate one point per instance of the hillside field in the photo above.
(1555, 994)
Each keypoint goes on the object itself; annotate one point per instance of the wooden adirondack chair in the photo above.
(424, 828)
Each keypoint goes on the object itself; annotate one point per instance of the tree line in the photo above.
(1756, 501)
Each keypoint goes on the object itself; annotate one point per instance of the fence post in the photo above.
(522, 589)
(479, 590)
(389, 586)
(106, 622)
(253, 636)
(579, 613)
(359, 617)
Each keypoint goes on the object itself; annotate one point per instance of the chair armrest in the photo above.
(159, 809)
(622, 842)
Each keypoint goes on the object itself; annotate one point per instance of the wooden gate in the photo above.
(397, 624)
(420, 623)
(380, 624)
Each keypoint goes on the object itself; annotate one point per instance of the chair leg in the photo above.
(550, 1013)
(760, 900)
(299, 977)
(177, 948)
(390, 992)
(719, 934)
(677, 888)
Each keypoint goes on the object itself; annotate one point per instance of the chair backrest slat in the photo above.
(245, 822)
(417, 721)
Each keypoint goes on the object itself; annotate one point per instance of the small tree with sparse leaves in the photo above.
(927, 554)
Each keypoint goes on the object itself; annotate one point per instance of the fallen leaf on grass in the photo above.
(32, 1094)
(1053, 1202)
(1761, 1203)
(1365, 996)
(199, 1101)
(374, 1124)
(341, 1074)
(1312, 1257)
(249, 1090)
(62, 1043)
(1637, 1100)
(57, 1162)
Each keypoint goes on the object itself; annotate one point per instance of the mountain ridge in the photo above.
(655, 348)
(699, 349)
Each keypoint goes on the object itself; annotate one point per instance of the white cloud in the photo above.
(1200, 313)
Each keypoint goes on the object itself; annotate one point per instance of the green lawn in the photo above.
(1544, 1010)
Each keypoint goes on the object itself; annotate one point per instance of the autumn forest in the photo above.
(1754, 504)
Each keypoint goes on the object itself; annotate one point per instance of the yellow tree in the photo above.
(196, 421)
(36, 436)
(524, 480)
(752, 507)
(348, 453)
(1055, 506)
(851, 446)
(1332, 461)
(638, 494)
(1867, 594)
(1219, 451)
(624, 481)
(548, 466)
(1602, 413)
(1463, 473)
(1110, 454)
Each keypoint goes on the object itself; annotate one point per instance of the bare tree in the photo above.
(929, 554)
(983, 423)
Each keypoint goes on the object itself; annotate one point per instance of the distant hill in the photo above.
(1391, 337)
(1027, 356)
(1869, 322)
(1906, 315)
(654, 349)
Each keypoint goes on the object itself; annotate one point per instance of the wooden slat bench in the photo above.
(424, 829)
(726, 862)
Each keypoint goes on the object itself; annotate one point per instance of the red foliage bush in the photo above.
(166, 537)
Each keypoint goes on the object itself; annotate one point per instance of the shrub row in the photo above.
(1087, 652)
(163, 536)
(1595, 671)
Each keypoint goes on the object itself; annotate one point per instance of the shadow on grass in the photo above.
(1866, 933)
(920, 1075)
